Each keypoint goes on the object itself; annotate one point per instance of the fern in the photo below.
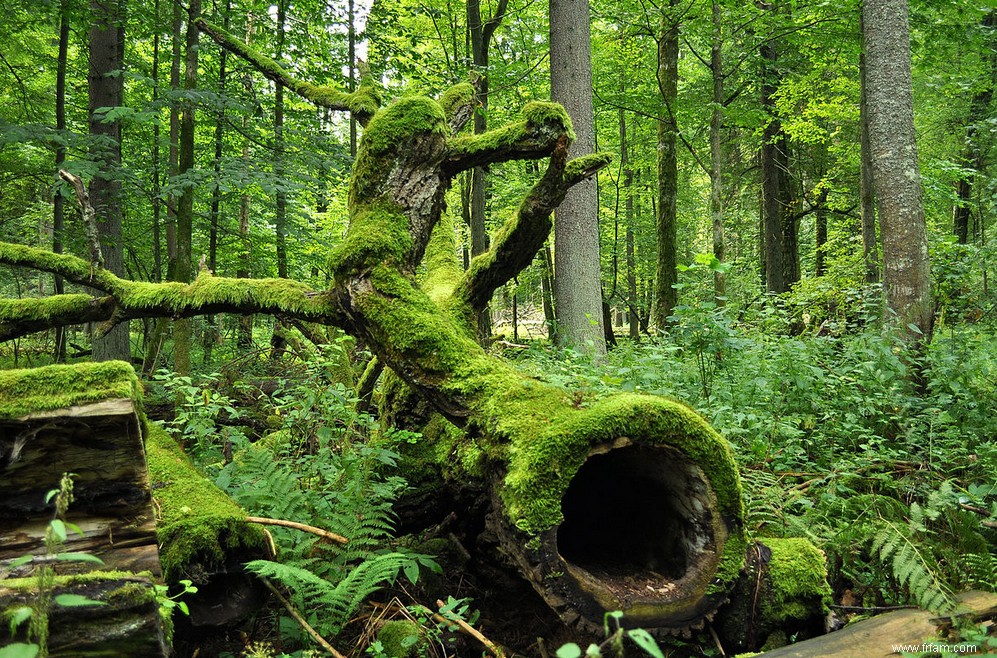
(894, 544)
(981, 570)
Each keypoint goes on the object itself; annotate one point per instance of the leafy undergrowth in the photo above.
(886, 459)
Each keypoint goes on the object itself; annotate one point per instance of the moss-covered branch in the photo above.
(534, 136)
(518, 241)
(458, 104)
(362, 103)
(128, 300)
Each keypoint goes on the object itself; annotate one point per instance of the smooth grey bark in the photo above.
(897, 177)
(107, 50)
(577, 290)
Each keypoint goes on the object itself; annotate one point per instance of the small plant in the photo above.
(614, 642)
(37, 614)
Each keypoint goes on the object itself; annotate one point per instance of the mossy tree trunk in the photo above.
(588, 497)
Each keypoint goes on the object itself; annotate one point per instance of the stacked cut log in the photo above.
(86, 419)
(83, 420)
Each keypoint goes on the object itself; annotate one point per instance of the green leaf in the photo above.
(570, 650)
(644, 640)
(19, 650)
(411, 570)
(58, 529)
(75, 601)
(18, 616)
(21, 561)
(78, 557)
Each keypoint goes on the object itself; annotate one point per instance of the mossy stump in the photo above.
(86, 420)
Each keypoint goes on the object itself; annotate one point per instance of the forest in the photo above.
(497, 327)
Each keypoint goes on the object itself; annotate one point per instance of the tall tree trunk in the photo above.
(906, 269)
(107, 50)
(547, 293)
(631, 260)
(867, 189)
(210, 322)
(280, 215)
(245, 337)
(666, 295)
(157, 206)
(185, 205)
(781, 265)
(979, 107)
(58, 201)
(716, 152)
(351, 36)
(577, 291)
(480, 33)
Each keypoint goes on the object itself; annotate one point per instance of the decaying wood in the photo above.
(102, 444)
(325, 534)
(880, 636)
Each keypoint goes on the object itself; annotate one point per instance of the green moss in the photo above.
(456, 97)
(199, 525)
(404, 120)
(539, 122)
(798, 579)
(731, 562)
(61, 386)
(378, 233)
(401, 638)
(541, 465)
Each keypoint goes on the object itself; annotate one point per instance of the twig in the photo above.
(339, 539)
(470, 630)
(986, 523)
(301, 620)
(89, 217)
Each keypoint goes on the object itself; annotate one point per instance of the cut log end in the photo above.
(641, 533)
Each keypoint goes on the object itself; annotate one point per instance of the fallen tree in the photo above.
(631, 502)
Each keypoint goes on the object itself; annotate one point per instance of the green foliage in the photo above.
(614, 642)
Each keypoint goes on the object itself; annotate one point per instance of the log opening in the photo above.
(642, 533)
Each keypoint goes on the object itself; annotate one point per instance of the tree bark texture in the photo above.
(666, 270)
(867, 189)
(577, 288)
(107, 51)
(897, 177)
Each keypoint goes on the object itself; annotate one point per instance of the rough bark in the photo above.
(577, 290)
(107, 50)
(58, 200)
(716, 152)
(781, 264)
(867, 189)
(906, 269)
(666, 270)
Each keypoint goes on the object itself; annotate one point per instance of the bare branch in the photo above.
(89, 217)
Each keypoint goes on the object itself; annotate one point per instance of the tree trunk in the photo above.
(107, 50)
(906, 270)
(867, 189)
(480, 33)
(58, 200)
(666, 271)
(716, 152)
(245, 337)
(631, 260)
(577, 291)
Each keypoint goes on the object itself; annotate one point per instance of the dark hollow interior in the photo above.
(635, 511)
